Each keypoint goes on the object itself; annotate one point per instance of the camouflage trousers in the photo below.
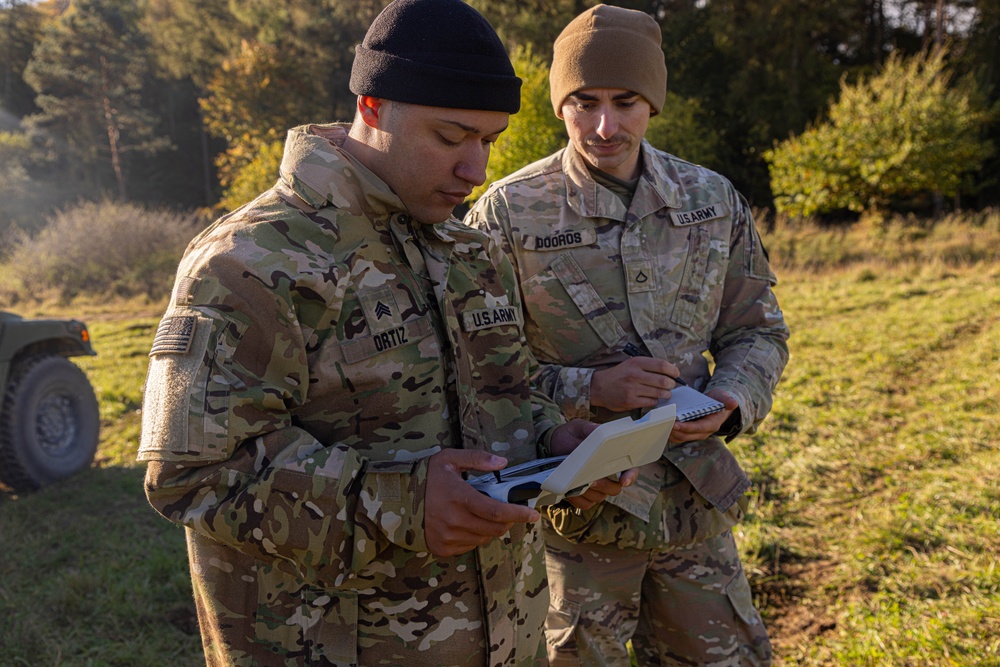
(689, 605)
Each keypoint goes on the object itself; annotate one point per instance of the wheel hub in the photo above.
(55, 424)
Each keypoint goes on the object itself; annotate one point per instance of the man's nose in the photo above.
(607, 124)
(472, 167)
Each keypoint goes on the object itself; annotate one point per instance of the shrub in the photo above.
(259, 174)
(898, 134)
(105, 248)
(958, 239)
(534, 131)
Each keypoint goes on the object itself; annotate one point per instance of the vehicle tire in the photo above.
(49, 422)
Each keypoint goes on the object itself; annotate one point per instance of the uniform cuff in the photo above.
(741, 420)
(544, 447)
(573, 392)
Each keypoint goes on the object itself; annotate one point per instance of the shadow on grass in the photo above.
(93, 573)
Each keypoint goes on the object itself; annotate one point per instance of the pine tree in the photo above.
(89, 68)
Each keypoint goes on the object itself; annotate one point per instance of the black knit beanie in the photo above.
(439, 53)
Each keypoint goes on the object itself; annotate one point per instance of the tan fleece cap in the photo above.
(609, 47)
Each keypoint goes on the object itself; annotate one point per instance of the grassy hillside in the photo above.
(874, 535)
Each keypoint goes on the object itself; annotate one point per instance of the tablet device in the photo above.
(610, 449)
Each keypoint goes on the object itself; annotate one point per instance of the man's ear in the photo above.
(369, 108)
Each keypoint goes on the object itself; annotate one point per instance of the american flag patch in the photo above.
(174, 335)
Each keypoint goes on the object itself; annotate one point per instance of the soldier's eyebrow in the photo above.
(472, 129)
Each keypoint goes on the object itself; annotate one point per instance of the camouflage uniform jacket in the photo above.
(680, 273)
(311, 358)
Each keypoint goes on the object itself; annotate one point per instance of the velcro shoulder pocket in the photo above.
(187, 402)
(757, 264)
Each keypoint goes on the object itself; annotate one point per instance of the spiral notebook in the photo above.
(691, 404)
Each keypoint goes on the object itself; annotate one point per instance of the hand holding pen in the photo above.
(697, 429)
(639, 382)
(633, 351)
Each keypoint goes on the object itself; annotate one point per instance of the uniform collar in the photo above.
(318, 170)
(589, 199)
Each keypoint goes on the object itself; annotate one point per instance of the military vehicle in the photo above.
(49, 419)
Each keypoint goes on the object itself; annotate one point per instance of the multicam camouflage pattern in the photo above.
(681, 273)
(316, 350)
(695, 601)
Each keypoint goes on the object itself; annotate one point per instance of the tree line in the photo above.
(185, 103)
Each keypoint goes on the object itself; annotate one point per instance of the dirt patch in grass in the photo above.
(794, 614)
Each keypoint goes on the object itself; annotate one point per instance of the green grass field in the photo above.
(873, 537)
(876, 534)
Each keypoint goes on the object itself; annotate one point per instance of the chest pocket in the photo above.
(701, 281)
(557, 298)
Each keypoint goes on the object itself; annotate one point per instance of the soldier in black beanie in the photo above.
(335, 356)
(428, 56)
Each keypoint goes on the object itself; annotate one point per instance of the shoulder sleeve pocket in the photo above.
(186, 411)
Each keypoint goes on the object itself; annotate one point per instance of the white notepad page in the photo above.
(691, 404)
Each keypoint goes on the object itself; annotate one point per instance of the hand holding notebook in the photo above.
(691, 403)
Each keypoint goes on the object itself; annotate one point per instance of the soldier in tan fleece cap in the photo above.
(635, 266)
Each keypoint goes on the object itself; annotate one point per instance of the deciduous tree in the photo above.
(252, 101)
(902, 132)
(534, 131)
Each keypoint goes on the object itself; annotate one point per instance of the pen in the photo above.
(633, 351)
